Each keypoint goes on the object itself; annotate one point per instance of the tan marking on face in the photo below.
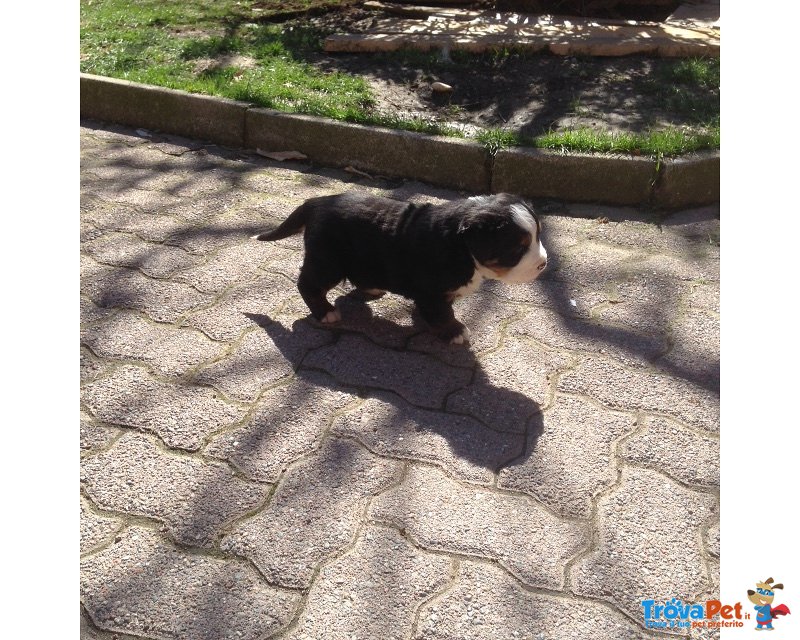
(500, 271)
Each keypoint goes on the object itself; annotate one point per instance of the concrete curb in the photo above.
(447, 162)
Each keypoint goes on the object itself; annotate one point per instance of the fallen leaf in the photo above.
(280, 156)
(358, 173)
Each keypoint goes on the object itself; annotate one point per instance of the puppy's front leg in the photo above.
(314, 292)
(438, 313)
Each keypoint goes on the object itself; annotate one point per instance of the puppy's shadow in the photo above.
(425, 399)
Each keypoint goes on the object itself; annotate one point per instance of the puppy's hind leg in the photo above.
(313, 287)
(438, 313)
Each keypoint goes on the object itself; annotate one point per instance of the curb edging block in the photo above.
(688, 182)
(447, 162)
(217, 120)
(536, 173)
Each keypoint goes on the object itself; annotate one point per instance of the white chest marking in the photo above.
(471, 286)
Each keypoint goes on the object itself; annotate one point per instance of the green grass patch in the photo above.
(228, 48)
(689, 87)
(495, 139)
(668, 142)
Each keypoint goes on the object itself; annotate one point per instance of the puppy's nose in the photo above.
(542, 265)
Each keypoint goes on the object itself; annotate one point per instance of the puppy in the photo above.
(431, 254)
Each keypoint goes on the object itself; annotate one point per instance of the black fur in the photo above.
(423, 252)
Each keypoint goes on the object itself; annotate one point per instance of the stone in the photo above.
(287, 423)
(144, 586)
(642, 390)
(689, 457)
(571, 459)
(373, 591)
(313, 514)
(182, 416)
(486, 602)
(195, 499)
(353, 360)
(169, 350)
(440, 514)
(389, 426)
(636, 556)
(96, 530)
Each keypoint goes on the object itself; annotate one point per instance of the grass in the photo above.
(666, 142)
(180, 44)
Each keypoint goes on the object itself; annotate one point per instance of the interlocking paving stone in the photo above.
(486, 602)
(647, 301)
(180, 415)
(647, 391)
(144, 586)
(288, 422)
(294, 186)
(388, 321)
(569, 333)
(357, 361)
(258, 212)
(595, 266)
(561, 233)
(695, 349)
(712, 540)
(681, 453)
(567, 298)
(116, 217)
(128, 250)
(162, 300)
(440, 514)
(484, 316)
(237, 263)
(703, 295)
(120, 183)
(90, 312)
(242, 307)
(505, 397)
(638, 235)
(625, 316)
(96, 530)
(90, 232)
(167, 349)
(390, 426)
(210, 237)
(637, 555)
(372, 591)
(90, 632)
(93, 435)
(571, 459)
(194, 498)
(91, 367)
(314, 512)
(261, 359)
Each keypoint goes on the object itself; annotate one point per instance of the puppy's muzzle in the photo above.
(542, 265)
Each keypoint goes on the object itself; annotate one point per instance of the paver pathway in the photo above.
(249, 474)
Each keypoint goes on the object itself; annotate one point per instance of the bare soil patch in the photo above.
(523, 92)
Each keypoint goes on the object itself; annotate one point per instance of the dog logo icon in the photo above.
(762, 597)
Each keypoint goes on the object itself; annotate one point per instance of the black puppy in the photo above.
(429, 253)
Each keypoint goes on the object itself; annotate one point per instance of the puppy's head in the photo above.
(502, 234)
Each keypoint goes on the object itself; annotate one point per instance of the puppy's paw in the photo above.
(461, 338)
(331, 317)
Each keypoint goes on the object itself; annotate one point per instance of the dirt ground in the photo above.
(526, 93)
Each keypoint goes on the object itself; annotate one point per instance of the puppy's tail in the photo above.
(292, 225)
